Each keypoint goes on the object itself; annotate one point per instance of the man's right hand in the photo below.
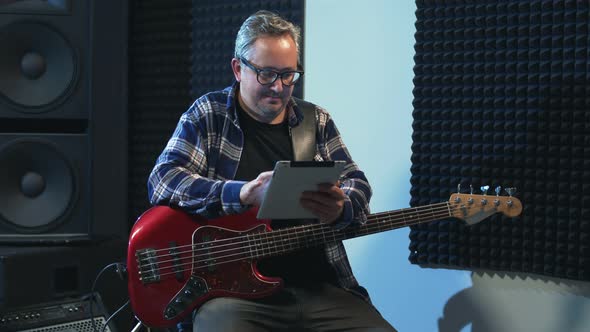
(253, 192)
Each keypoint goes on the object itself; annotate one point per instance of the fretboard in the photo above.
(286, 240)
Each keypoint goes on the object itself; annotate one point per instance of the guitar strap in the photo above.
(303, 136)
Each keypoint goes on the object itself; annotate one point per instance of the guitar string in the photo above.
(242, 255)
(278, 234)
(310, 240)
(373, 219)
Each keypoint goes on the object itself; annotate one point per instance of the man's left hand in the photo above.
(326, 203)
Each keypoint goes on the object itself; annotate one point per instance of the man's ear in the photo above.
(236, 66)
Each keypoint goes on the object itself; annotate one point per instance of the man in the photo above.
(220, 159)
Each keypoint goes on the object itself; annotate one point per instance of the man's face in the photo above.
(266, 103)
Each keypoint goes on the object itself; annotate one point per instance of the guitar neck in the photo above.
(283, 241)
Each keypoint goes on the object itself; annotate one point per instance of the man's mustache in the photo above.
(274, 95)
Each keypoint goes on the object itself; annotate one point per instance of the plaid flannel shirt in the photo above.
(196, 169)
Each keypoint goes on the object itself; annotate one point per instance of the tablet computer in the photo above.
(289, 180)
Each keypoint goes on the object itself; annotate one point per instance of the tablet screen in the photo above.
(289, 180)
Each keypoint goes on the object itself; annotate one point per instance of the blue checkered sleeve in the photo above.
(184, 175)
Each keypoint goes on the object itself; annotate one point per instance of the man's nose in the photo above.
(277, 85)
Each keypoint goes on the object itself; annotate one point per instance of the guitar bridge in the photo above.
(149, 271)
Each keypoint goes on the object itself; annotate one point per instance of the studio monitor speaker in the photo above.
(63, 120)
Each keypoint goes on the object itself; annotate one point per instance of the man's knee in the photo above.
(219, 314)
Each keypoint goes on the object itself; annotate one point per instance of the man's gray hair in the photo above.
(264, 23)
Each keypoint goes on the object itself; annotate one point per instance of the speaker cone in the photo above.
(38, 185)
(38, 66)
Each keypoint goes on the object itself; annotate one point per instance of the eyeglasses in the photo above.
(267, 76)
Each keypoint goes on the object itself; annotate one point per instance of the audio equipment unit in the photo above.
(37, 274)
(66, 315)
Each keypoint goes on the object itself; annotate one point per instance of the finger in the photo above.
(255, 184)
(319, 209)
(265, 175)
(250, 189)
(324, 216)
(317, 212)
(331, 189)
(325, 186)
(329, 184)
(326, 198)
(318, 198)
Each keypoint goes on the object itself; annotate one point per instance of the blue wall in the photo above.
(358, 62)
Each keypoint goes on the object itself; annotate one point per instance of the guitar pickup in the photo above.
(176, 262)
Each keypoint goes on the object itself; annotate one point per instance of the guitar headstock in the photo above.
(474, 208)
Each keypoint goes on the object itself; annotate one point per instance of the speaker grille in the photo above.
(38, 184)
(43, 187)
(38, 69)
(78, 326)
(45, 59)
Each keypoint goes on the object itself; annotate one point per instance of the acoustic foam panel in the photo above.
(159, 85)
(215, 25)
(501, 98)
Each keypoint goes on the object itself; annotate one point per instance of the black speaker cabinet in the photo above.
(63, 120)
(37, 274)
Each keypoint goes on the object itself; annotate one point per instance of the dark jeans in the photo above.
(320, 308)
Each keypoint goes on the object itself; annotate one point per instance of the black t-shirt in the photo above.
(264, 145)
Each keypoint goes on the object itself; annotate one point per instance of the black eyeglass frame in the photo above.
(276, 73)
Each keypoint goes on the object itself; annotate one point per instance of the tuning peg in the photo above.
(457, 199)
(484, 189)
(497, 190)
(510, 191)
(470, 200)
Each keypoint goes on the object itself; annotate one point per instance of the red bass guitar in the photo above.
(176, 261)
